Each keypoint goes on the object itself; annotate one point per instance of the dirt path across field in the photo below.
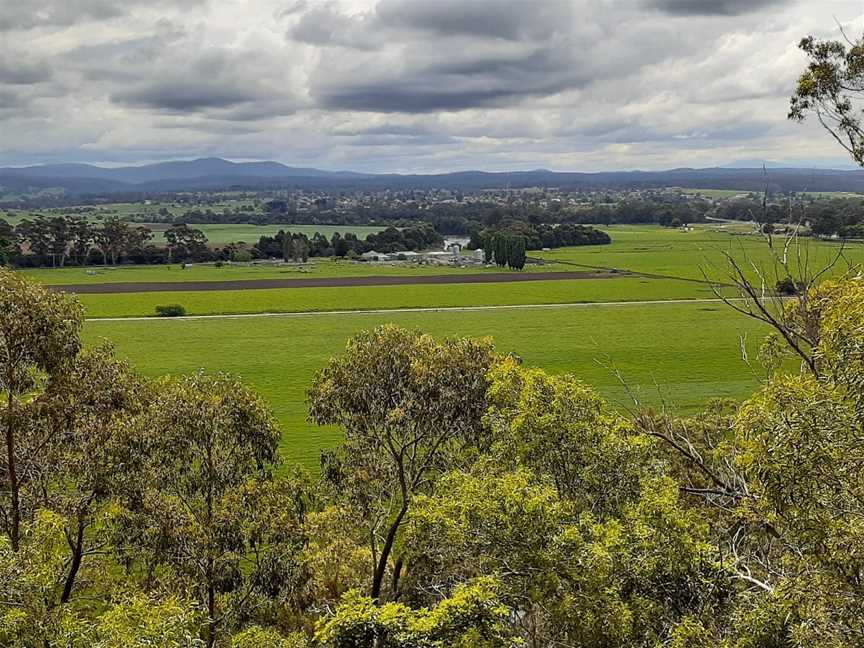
(331, 282)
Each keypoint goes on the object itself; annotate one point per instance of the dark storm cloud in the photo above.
(422, 57)
(215, 82)
(449, 85)
(483, 18)
(712, 7)
(182, 96)
(325, 25)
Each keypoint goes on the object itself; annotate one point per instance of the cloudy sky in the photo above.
(411, 85)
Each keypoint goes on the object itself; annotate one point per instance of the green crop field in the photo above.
(686, 253)
(642, 249)
(394, 297)
(680, 354)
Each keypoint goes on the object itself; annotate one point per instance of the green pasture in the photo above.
(686, 253)
(643, 249)
(315, 268)
(680, 355)
(394, 297)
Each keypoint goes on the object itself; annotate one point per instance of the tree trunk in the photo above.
(397, 574)
(381, 568)
(12, 473)
(211, 614)
(77, 554)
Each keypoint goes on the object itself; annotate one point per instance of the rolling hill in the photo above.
(215, 173)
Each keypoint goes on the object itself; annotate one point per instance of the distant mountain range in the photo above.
(177, 170)
(216, 173)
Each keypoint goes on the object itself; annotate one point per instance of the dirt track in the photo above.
(332, 282)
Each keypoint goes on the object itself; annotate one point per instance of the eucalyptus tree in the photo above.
(409, 406)
(81, 452)
(206, 508)
(39, 336)
(830, 89)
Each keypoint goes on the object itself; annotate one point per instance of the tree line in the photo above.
(539, 236)
(71, 240)
(59, 241)
(299, 246)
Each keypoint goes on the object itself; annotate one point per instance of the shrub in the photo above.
(171, 310)
(787, 286)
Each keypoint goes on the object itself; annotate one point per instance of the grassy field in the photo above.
(691, 351)
(394, 297)
(686, 253)
(650, 250)
(644, 249)
(319, 268)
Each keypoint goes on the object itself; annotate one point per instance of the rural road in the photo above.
(328, 282)
(393, 311)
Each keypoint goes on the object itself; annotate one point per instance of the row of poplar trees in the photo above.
(505, 250)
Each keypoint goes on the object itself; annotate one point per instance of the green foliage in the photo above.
(485, 522)
(39, 337)
(40, 331)
(171, 310)
(257, 637)
(507, 250)
(142, 621)
(472, 617)
(28, 583)
(410, 406)
(787, 287)
(772, 353)
(204, 507)
(828, 89)
(557, 426)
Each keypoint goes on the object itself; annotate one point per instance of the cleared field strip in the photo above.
(331, 282)
(393, 311)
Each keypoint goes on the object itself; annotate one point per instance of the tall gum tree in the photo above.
(409, 406)
(39, 336)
